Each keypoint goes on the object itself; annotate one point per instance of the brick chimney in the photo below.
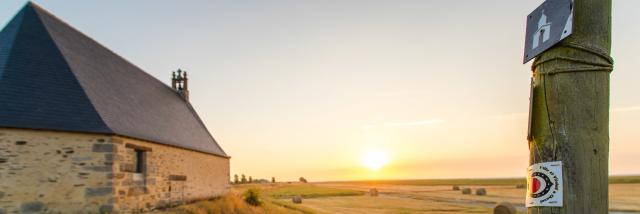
(180, 83)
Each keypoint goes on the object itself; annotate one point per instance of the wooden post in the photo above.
(570, 110)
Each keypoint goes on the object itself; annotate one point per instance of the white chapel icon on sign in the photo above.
(543, 33)
(547, 25)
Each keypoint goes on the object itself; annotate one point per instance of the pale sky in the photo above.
(294, 88)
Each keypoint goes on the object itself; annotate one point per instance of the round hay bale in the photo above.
(481, 191)
(466, 191)
(456, 187)
(504, 208)
(297, 199)
(373, 192)
(302, 180)
(520, 186)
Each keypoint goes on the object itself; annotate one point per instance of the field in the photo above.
(408, 196)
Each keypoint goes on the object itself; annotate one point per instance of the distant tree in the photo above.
(244, 179)
(235, 179)
(303, 180)
(250, 179)
(273, 179)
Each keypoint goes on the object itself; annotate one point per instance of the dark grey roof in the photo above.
(53, 77)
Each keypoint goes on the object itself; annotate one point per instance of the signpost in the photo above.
(569, 123)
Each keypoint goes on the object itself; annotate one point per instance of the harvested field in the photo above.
(425, 196)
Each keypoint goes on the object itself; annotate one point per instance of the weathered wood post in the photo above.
(570, 110)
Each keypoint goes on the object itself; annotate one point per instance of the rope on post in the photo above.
(606, 66)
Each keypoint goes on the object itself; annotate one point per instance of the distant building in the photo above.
(82, 130)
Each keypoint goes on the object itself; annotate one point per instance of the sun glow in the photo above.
(375, 159)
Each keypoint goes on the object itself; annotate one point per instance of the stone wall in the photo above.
(170, 175)
(54, 172)
(60, 172)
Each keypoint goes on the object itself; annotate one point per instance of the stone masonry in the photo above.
(172, 175)
(64, 172)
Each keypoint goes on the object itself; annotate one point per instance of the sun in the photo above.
(375, 159)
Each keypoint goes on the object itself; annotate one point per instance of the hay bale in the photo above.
(504, 208)
(373, 192)
(520, 186)
(456, 187)
(297, 199)
(481, 191)
(466, 191)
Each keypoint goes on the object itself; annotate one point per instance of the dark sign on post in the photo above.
(547, 25)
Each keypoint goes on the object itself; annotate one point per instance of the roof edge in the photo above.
(172, 146)
(56, 130)
(117, 135)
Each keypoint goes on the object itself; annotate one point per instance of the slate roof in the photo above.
(53, 77)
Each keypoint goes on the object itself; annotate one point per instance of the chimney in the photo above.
(180, 83)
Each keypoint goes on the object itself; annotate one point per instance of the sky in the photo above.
(294, 88)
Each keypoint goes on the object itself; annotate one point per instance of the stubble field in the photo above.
(412, 196)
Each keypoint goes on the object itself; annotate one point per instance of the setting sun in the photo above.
(375, 159)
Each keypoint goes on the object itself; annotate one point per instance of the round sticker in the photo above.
(540, 184)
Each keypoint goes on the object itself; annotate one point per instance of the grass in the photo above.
(292, 206)
(309, 191)
(386, 204)
(440, 182)
(629, 179)
(398, 197)
(274, 198)
(232, 203)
